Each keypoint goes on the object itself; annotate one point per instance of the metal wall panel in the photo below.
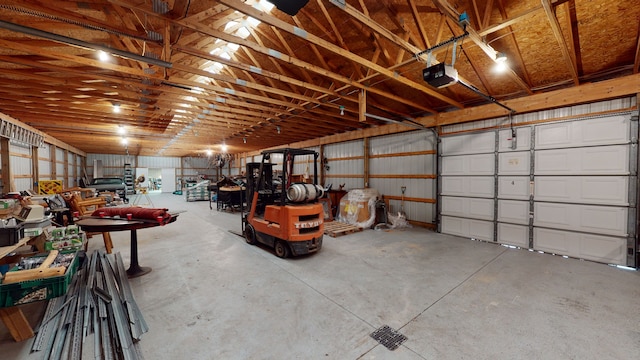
(606, 190)
(413, 141)
(159, 162)
(59, 154)
(59, 171)
(44, 167)
(393, 166)
(403, 165)
(597, 160)
(415, 188)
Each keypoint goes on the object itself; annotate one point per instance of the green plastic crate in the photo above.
(39, 289)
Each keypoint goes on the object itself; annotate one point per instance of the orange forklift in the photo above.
(283, 214)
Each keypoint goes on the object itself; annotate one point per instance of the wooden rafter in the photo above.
(453, 15)
(557, 33)
(419, 24)
(335, 49)
(518, 54)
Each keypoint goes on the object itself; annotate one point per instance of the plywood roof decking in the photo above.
(292, 73)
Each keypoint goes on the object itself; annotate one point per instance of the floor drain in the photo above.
(388, 337)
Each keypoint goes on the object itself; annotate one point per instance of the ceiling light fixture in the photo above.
(103, 56)
(124, 141)
(341, 110)
(278, 129)
(501, 62)
(116, 108)
(121, 130)
(244, 140)
(224, 148)
(209, 152)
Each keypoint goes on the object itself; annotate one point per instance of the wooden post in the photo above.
(5, 164)
(35, 166)
(366, 161)
(362, 105)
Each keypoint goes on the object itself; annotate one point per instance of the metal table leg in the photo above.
(135, 269)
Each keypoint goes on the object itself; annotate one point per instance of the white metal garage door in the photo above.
(467, 200)
(567, 188)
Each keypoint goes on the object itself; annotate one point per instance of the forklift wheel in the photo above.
(249, 234)
(282, 249)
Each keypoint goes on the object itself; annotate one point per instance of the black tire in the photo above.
(281, 249)
(249, 234)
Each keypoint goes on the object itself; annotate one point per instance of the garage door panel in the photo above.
(551, 136)
(610, 250)
(510, 234)
(610, 130)
(607, 220)
(514, 163)
(481, 164)
(592, 132)
(455, 226)
(468, 144)
(468, 207)
(481, 208)
(601, 160)
(514, 187)
(606, 249)
(472, 186)
(557, 242)
(476, 229)
(512, 211)
(481, 230)
(609, 190)
(523, 139)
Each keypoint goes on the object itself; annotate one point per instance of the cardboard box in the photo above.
(354, 211)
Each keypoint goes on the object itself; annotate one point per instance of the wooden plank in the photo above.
(5, 250)
(16, 322)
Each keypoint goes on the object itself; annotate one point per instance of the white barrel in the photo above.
(304, 192)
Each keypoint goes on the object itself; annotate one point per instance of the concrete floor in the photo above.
(212, 296)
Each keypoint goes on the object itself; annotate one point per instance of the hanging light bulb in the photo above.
(341, 110)
(244, 140)
(209, 152)
(278, 129)
(501, 62)
(103, 56)
(116, 108)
